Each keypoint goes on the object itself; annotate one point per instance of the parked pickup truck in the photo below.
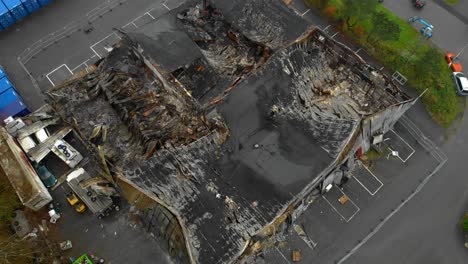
(99, 205)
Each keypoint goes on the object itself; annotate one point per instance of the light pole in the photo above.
(459, 53)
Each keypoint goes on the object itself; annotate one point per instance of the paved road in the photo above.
(427, 229)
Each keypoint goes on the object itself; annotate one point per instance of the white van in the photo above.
(461, 82)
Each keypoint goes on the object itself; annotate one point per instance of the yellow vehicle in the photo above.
(75, 202)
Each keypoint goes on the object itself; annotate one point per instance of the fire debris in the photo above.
(235, 171)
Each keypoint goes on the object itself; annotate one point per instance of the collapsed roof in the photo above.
(230, 158)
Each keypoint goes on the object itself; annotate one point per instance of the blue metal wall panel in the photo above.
(31, 5)
(6, 18)
(45, 2)
(16, 8)
(7, 97)
(5, 84)
(2, 73)
(14, 108)
(11, 104)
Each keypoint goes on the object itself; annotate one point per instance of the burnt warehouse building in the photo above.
(230, 117)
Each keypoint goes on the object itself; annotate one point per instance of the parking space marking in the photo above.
(364, 186)
(325, 29)
(407, 144)
(358, 50)
(307, 11)
(150, 14)
(334, 34)
(338, 212)
(92, 47)
(56, 69)
(164, 4)
(281, 253)
(131, 24)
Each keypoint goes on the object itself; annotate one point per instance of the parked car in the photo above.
(75, 202)
(461, 82)
(453, 62)
(46, 176)
(419, 3)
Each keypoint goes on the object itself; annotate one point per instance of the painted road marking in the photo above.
(362, 179)
(405, 143)
(105, 44)
(334, 34)
(303, 14)
(129, 27)
(59, 74)
(334, 196)
(150, 14)
(143, 20)
(281, 253)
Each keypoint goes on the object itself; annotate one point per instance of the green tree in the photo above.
(383, 29)
(358, 10)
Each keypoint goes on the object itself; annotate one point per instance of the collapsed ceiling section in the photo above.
(227, 53)
(156, 111)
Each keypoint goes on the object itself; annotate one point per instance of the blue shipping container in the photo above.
(11, 105)
(16, 9)
(31, 5)
(2, 72)
(6, 18)
(45, 2)
(5, 84)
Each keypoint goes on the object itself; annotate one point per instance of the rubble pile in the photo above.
(157, 112)
(225, 48)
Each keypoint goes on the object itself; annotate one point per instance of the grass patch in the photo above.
(464, 223)
(402, 49)
(452, 2)
(8, 200)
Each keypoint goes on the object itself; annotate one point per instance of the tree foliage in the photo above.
(383, 28)
(358, 10)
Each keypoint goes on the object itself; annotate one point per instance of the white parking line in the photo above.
(303, 14)
(92, 46)
(281, 253)
(164, 4)
(371, 193)
(130, 23)
(56, 69)
(334, 35)
(358, 50)
(326, 28)
(150, 15)
(412, 152)
(336, 210)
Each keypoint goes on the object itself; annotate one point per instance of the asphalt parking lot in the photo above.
(378, 189)
(54, 63)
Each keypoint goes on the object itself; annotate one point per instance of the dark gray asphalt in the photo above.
(20, 36)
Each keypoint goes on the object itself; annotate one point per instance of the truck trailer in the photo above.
(22, 176)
